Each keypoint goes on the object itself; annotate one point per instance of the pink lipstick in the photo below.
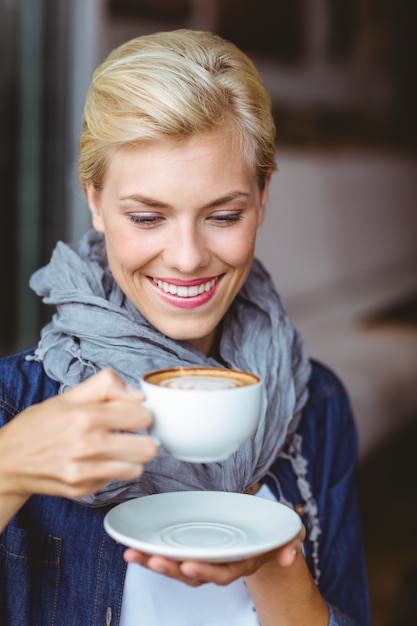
(185, 294)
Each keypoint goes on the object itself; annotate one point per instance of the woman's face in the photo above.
(180, 222)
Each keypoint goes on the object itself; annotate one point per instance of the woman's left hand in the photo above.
(196, 573)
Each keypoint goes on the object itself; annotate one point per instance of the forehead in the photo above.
(198, 156)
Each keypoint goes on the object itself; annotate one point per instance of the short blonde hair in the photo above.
(172, 85)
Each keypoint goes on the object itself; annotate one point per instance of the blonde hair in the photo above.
(172, 85)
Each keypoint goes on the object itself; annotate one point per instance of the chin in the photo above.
(200, 339)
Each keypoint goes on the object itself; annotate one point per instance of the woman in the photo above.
(176, 155)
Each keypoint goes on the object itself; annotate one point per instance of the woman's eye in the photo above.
(226, 218)
(145, 219)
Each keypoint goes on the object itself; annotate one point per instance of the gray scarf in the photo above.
(95, 326)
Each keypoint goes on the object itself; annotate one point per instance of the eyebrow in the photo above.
(153, 202)
(228, 197)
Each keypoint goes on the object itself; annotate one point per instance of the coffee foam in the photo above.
(201, 382)
(210, 377)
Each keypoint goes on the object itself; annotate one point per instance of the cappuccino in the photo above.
(202, 414)
(204, 378)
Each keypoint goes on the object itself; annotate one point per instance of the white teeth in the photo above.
(183, 291)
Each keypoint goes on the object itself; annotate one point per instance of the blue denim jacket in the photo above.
(59, 567)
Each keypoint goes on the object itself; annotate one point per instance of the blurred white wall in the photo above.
(335, 215)
(340, 240)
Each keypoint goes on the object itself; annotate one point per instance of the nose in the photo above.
(187, 250)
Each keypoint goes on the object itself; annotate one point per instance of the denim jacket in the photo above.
(59, 567)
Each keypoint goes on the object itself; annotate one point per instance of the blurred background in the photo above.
(340, 237)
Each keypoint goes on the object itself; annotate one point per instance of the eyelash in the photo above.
(227, 218)
(145, 219)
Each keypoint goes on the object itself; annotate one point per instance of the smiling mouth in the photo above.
(183, 291)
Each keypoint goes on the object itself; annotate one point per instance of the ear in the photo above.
(94, 202)
(264, 199)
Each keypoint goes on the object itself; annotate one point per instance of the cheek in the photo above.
(127, 245)
(240, 251)
(124, 254)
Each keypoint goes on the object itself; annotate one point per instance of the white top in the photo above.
(152, 599)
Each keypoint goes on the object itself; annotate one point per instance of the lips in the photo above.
(186, 294)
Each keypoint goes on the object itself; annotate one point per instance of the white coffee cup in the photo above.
(202, 414)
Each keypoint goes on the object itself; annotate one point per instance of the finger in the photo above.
(218, 573)
(160, 565)
(131, 555)
(75, 485)
(172, 569)
(84, 479)
(87, 417)
(106, 385)
(125, 414)
(98, 446)
(131, 448)
(287, 555)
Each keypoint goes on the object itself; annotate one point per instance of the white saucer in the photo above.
(203, 525)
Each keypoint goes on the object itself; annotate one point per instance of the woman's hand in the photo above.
(74, 443)
(279, 582)
(196, 573)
